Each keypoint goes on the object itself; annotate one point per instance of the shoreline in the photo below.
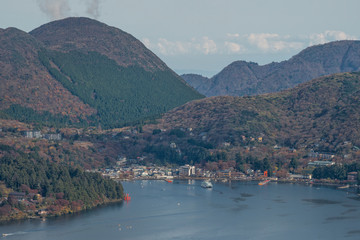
(24, 217)
(339, 186)
(355, 189)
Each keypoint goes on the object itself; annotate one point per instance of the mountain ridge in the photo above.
(78, 71)
(23, 86)
(247, 78)
(86, 34)
(320, 115)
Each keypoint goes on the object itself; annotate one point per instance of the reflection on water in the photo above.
(184, 210)
(239, 199)
(339, 218)
(245, 195)
(357, 198)
(354, 232)
(321, 201)
(279, 200)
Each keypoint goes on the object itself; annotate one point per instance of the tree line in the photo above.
(19, 171)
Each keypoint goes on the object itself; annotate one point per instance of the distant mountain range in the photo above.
(78, 71)
(242, 78)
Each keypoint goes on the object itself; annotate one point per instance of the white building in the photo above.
(32, 134)
(187, 170)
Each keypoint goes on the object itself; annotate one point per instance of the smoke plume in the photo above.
(93, 8)
(58, 9)
(55, 9)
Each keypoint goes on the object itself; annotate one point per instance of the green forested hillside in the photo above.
(80, 72)
(29, 115)
(59, 184)
(321, 116)
(120, 95)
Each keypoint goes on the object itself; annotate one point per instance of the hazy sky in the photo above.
(203, 36)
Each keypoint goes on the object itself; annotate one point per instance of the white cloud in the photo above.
(208, 46)
(235, 43)
(58, 9)
(166, 47)
(273, 42)
(233, 35)
(232, 47)
(261, 40)
(328, 36)
(146, 42)
(283, 45)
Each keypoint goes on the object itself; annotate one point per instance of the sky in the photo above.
(204, 36)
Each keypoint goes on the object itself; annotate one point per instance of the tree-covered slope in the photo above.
(322, 115)
(119, 94)
(26, 82)
(80, 72)
(58, 188)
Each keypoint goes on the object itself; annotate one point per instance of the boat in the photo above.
(168, 180)
(206, 184)
(264, 182)
(343, 187)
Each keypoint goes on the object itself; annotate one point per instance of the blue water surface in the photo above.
(183, 210)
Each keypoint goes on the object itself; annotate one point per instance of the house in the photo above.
(299, 176)
(187, 170)
(224, 174)
(121, 161)
(32, 134)
(53, 136)
(226, 144)
(17, 195)
(313, 154)
(352, 176)
(42, 212)
(321, 163)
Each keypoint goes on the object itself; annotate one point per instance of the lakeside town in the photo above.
(56, 145)
(124, 170)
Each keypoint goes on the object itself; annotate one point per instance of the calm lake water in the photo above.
(183, 210)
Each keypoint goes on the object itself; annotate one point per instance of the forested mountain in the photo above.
(242, 78)
(26, 82)
(81, 72)
(322, 115)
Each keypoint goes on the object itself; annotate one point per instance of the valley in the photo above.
(80, 98)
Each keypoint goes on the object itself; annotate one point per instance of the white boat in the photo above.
(206, 184)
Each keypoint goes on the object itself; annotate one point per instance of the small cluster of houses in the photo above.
(30, 200)
(38, 134)
(318, 155)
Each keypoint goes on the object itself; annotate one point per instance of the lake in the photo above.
(183, 210)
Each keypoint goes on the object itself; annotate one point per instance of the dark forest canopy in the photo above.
(24, 172)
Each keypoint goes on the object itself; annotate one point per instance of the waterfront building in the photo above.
(187, 170)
